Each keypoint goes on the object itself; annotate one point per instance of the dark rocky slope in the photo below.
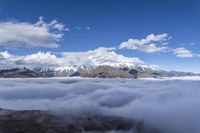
(23, 73)
(36, 121)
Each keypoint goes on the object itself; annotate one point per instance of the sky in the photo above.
(158, 32)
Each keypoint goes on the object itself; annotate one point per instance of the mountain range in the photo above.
(104, 71)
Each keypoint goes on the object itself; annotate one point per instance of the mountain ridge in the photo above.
(102, 71)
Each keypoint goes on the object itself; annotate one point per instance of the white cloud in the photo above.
(40, 34)
(151, 44)
(39, 59)
(4, 55)
(184, 53)
(7, 60)
(100, 56)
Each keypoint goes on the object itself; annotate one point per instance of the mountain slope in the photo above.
(147, 72)
(107, 72)
(23, 73)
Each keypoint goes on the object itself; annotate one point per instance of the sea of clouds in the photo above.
(171, 105)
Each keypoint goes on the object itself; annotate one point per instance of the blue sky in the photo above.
(108, 23)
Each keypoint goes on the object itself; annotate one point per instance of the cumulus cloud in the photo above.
(184, 53)
(100, 56)
(151, 44)
(156, 43)
(7, 60)
(40, 34)
(172, 106)
(40, 59)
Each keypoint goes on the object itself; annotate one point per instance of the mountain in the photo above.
(37, 121)
(147, 73)
(26, 73)
(129, 72)
(104, 71)
(20, 73)
(71, 69)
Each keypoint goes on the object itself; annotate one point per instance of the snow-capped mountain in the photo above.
(102, 71)
(78, 64)
(69, 60)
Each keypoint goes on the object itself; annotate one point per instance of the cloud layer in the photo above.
(172, 106)
(151, 44)
(100, 56)
(40, 34)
